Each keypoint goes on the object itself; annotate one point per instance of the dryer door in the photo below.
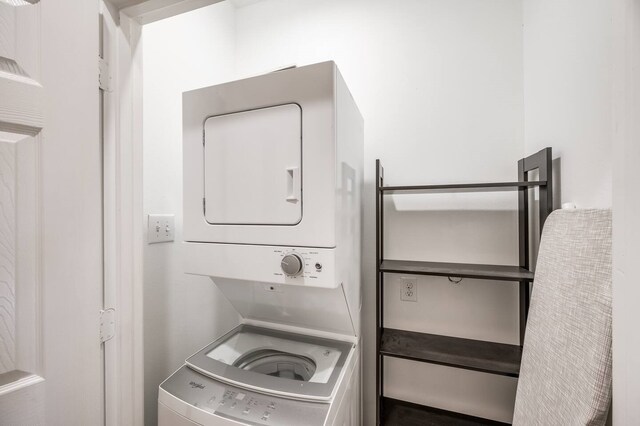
(253, 167)
(260, 159)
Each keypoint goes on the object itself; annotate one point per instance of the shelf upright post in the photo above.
(523, 246)
(541, 160)
(379, 290)
(546, 191)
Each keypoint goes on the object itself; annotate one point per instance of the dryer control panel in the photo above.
(215, 398)
(304, 263)
(303, 266)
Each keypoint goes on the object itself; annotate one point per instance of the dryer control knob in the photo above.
(291, 264)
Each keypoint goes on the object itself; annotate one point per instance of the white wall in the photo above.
(567, 93)
(451, 90)
(626, 207)
(439, 84)
(182, 313)
(579, 80)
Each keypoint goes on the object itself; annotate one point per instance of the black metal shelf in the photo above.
(463, 270)
(488, 357)
(403, 413)
(477, 355)
(463, 187)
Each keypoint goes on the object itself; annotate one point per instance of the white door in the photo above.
(253, 167)
(50, 214)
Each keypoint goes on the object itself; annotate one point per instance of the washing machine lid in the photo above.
(275, 362)
(322, 309)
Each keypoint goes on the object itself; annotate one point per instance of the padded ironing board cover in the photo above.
(565, 376)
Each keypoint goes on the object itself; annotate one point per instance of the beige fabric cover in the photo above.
(565, 377)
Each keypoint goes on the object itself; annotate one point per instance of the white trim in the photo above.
(124, 367)
(626, 241)
(123, 210)
(155, 10)
(24, 382)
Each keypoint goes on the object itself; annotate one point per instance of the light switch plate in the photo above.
(161, 228)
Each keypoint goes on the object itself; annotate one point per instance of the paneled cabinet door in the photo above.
(30, 289)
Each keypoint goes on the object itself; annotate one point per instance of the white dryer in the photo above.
(272, 213)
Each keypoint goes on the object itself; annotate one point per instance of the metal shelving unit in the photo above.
(488, 357)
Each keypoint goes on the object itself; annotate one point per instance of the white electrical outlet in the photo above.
(160, 228)
(409, 289)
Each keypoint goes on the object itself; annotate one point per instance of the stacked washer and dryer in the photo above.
(272, 213)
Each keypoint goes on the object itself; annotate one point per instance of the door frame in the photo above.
(626, 201)
(123, 203)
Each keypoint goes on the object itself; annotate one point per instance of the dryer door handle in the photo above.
(293, 184)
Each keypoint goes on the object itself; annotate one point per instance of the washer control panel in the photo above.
(222, 400)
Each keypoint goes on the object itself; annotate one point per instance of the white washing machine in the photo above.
(264, 376)
(272, 213)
